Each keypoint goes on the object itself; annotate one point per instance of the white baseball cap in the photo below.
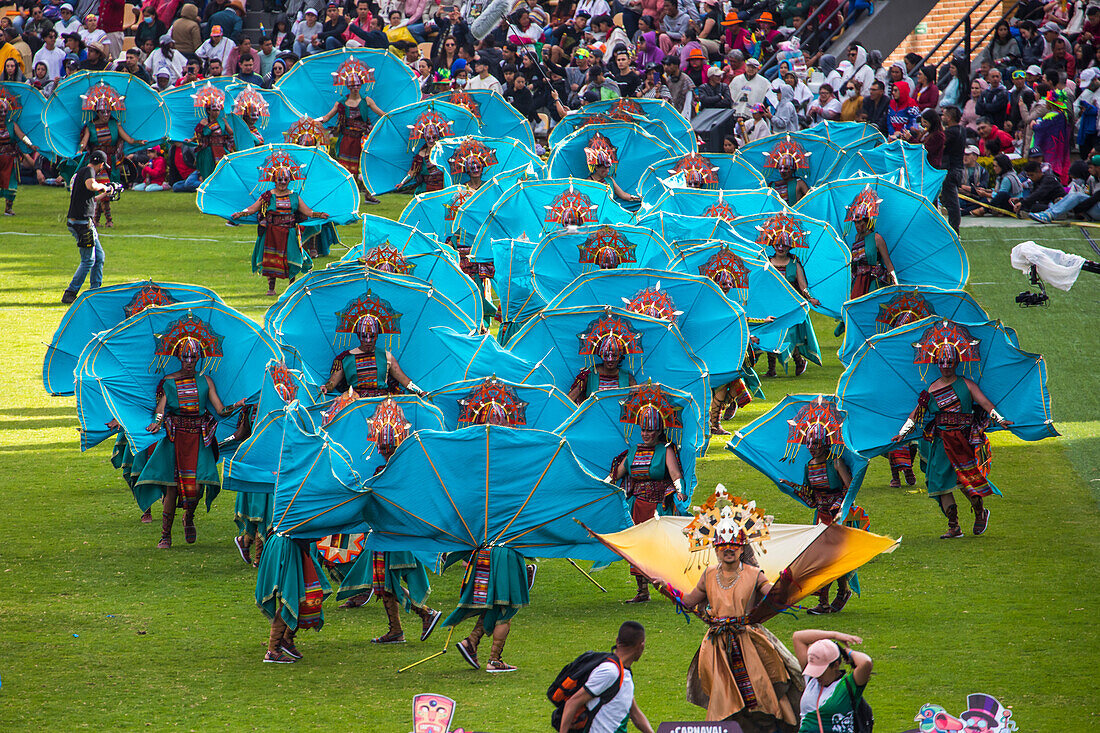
(819, 656)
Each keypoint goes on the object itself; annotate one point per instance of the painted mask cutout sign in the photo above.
(983, 714)
(433, 713)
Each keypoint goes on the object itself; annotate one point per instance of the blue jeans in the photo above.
(190, 185)
(1065, 205)
(332, 43)
(91, 258)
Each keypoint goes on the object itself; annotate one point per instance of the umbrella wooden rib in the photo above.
(445, 491)
(300, 485)
(560, 516)
(414, 516)
(525, 501)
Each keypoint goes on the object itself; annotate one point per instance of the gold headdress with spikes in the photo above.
(726, 520)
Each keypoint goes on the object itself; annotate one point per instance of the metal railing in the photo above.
(968, 25)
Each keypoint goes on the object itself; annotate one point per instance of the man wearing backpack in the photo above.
(605, 697)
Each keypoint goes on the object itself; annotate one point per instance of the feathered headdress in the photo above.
(600, 151)
(353, 71)
(863, 206)
(388, 426)
(388, 259)
(815, 421)
(609, 336)
(430, 125)
(625, 105)
(901, 309)
(280, 163)
(492, 403)
(729, 272)
(102, 97)
(653, 302)
(308, 133)
(781, 227)
(188, 333)
(150, 294)
(787, 153)
(721, 209)
(470, 150)
(726, 520)
(698, 171)
(607, 248)
(285, 386)
(251, 103)
(466, 100)
(209, 96)
(649, 407)
(367, 311)
(570, 208)
(10, 103)
(945, 343)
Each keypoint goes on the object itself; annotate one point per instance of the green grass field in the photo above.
(100, 630)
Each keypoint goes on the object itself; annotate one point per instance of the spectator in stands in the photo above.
(185, 30)
(266, 56)
(896, 73)
(75, 52)
(214, 68)
(826, 107)
(696, 67)
(68, 23)
(1003, 50)
(928, 94)
(678, 83)
(599, 87)
(646, 50)
(90, 31)
(97, 56)
(243, 51)
(356, 32)
(247, 72)
(624, 75)
(1009, 186)
(41, 79)
(231, 21)
(217, 46)
(953, 91)
(166, 55)
(36, 26)
(277, 70)
(876, 107)
(673, 26)
(1031, 44)
(520, 97)
(802, 94)
(482, 79)
(785, 116)
(988, 131)
(750, 88)
(975, 181)
(903, 116)
(132, 65)
(970, 109)
(332, 32)
(11, 72)
(149, 27)
(1085, 109)
(931, 136)
(192, 72)
(1060, 58)
(714, 94)
(861, 71)
(111, 23)
(653, 85)
(9, 51)
(50, 54)
(1045, 189)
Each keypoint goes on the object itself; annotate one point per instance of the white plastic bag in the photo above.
(1055, 267)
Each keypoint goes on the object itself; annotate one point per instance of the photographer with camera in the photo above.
(86, 193)
(833, 698)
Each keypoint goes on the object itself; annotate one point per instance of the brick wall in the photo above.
(944, 15)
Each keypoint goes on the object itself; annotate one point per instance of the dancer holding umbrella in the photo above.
(11, 135)
(212, 134)
(352, 125)
(103, 132)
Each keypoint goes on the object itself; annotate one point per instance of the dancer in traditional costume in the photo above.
(741, 672)
(278, 251)
(370, 369)
(103, 132)
(253, 111)
(871, 265)
(11, 134)
(317, 239)
(824, 485)
(650, 470)
(352, 125)
(783, 239)
(213, 139)
(424, 175)
(396, 577)
(290, 588)
(789, 186)
(953, 414)
(470, 160)
(611, 348)
(601, 158)
(495, 588)
(184, 463)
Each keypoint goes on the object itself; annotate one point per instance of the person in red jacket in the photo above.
(988, 131)
(154, 174)
(110, 22)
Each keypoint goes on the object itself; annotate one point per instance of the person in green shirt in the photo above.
(832, 695)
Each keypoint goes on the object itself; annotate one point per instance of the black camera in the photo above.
(1028, 299)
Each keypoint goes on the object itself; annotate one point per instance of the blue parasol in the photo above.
(512, 283)
(309, 81)
(433, 212)
(658, 117)
(884, 309)
(924, 248)
(627, 147)
(350, 426)
(703, 170)
(726, 205)
(389, 149)
(816, 156)
(144, 118)
(763, 444)
(849, 136)
(498, 119)
(500, 402)
(825, 258)
(99, 310)
(464, 355)
(597, 433)
(657, 350)
(879, 388)
(497, 154)
(471, 210)
(899, 162)
(713, 325)
(281, 114)
(179, 102)
(120, 369)
(317, 322)
(32, 105)
(532, 208)
(323, 185)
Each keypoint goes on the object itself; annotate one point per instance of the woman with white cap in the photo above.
(832, 695)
